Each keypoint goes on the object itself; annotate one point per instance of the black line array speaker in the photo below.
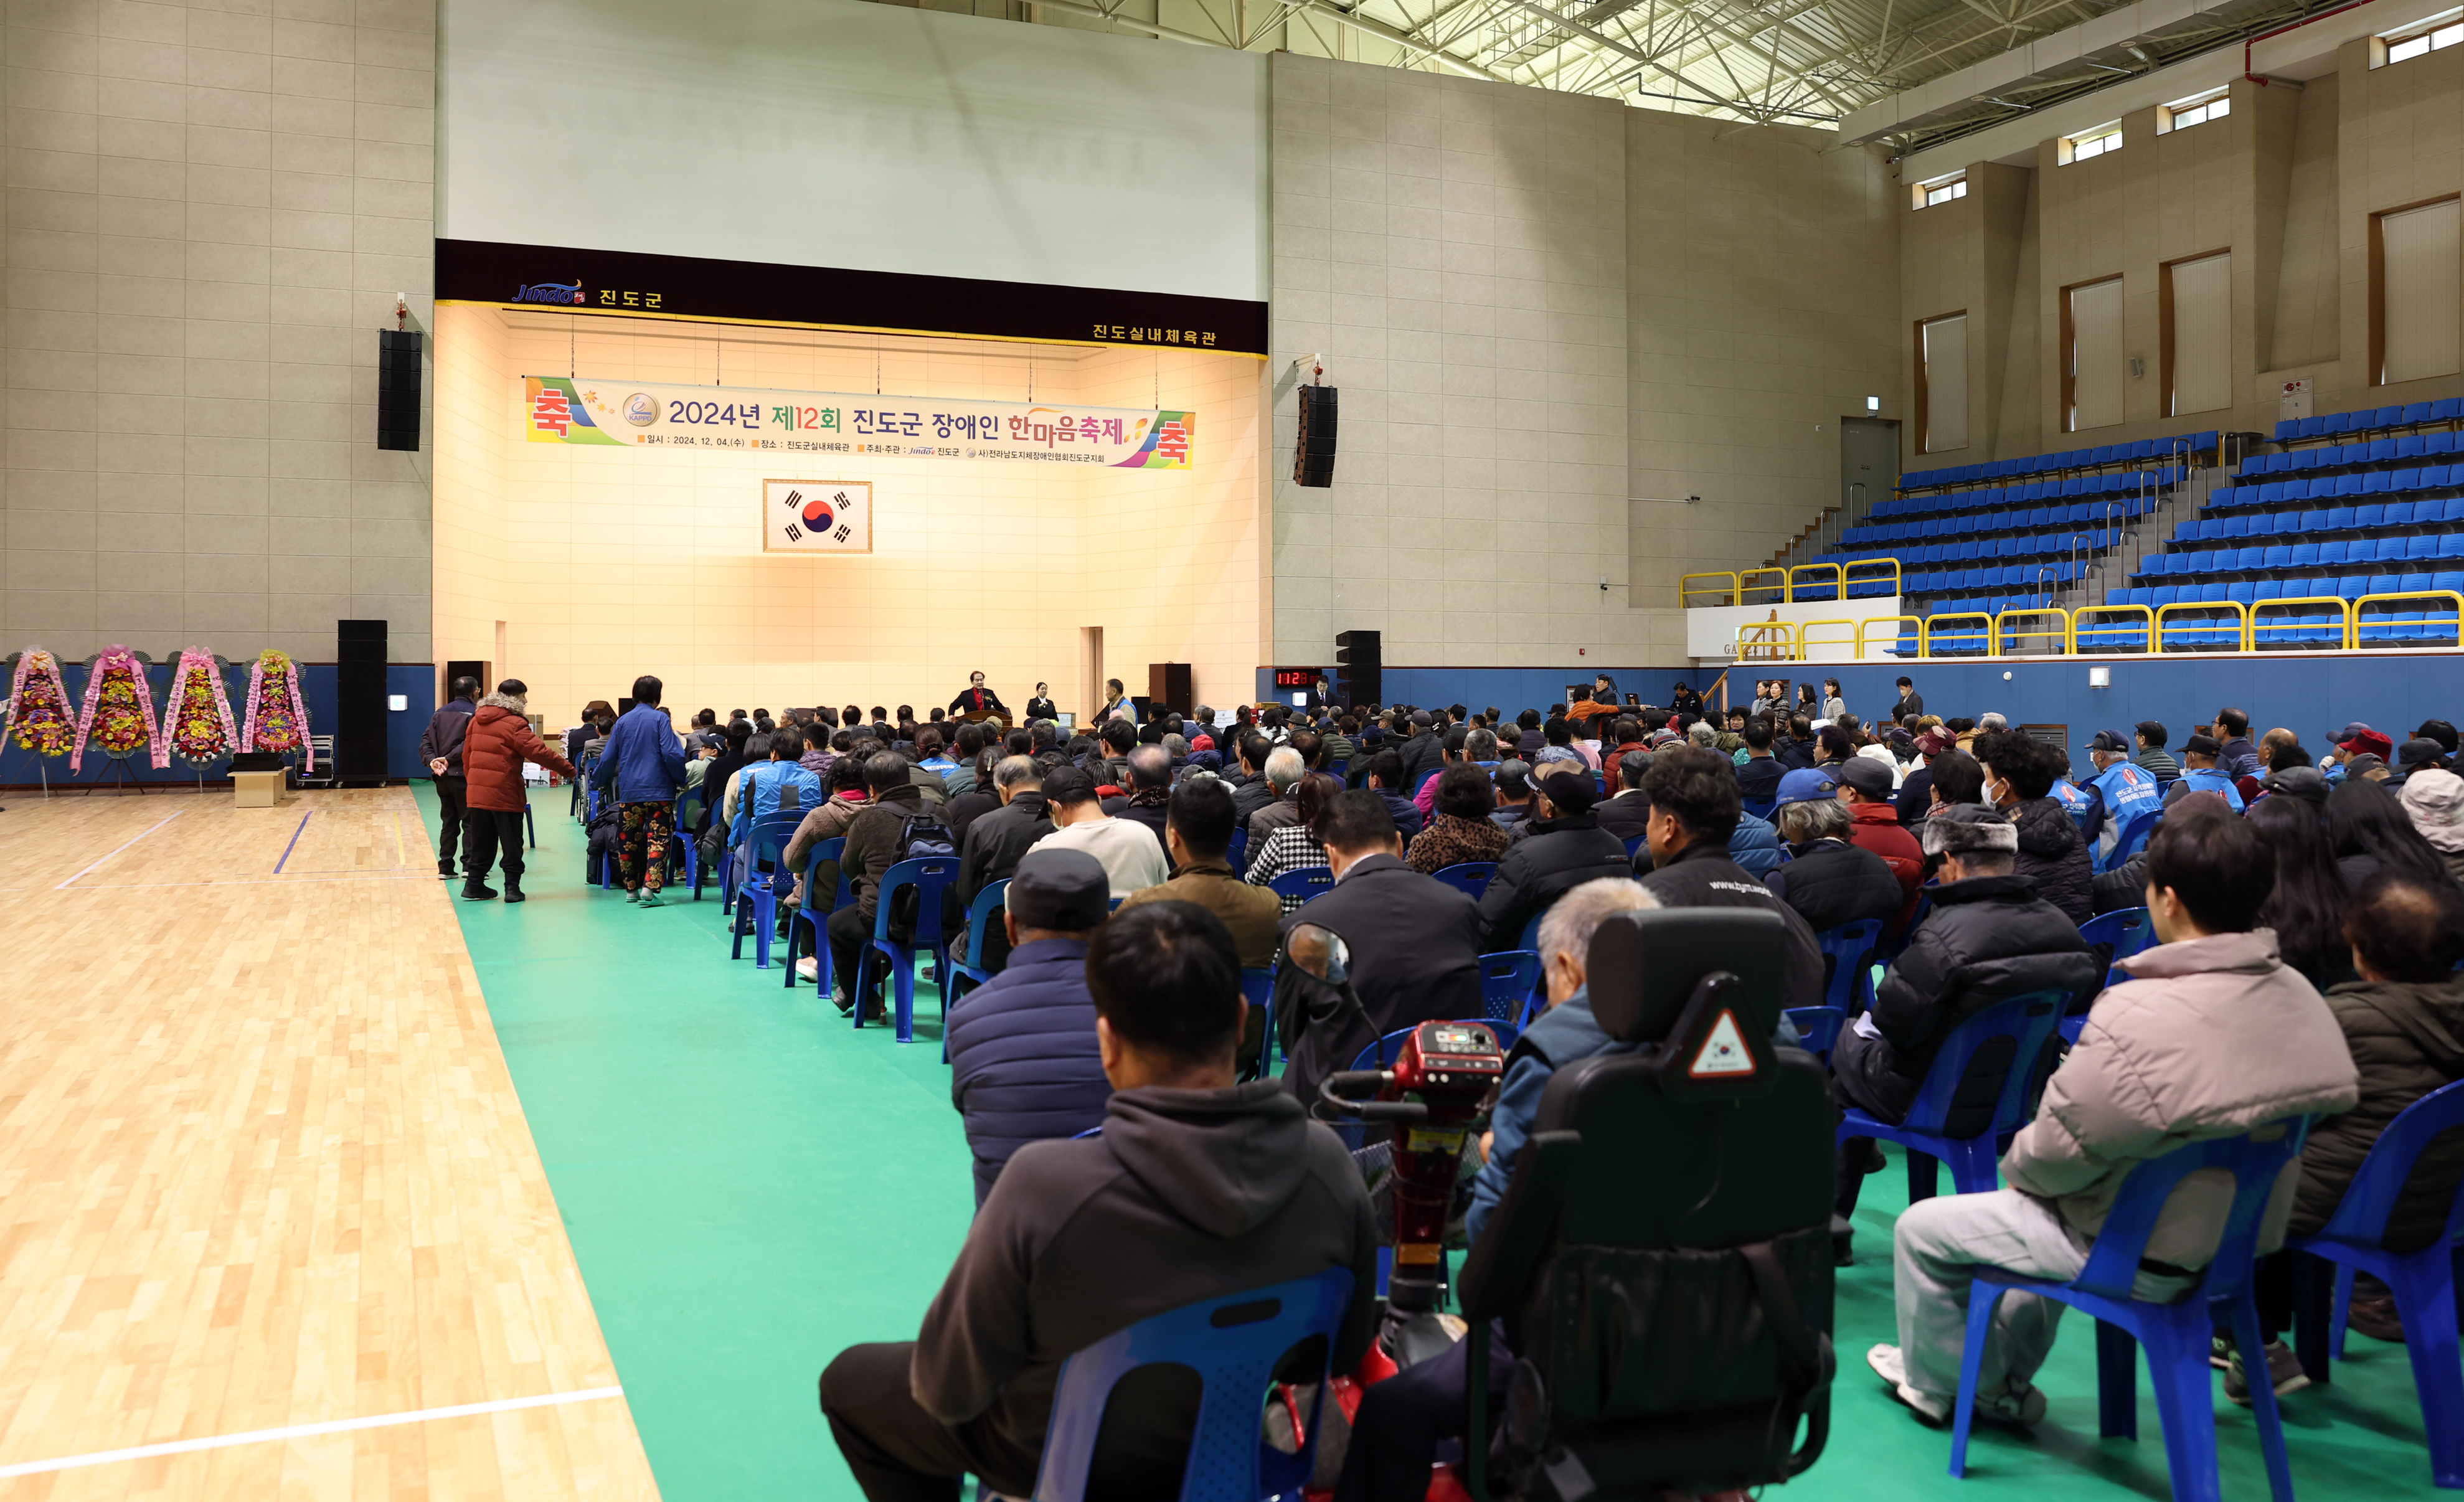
(1360, 673)
(1313, 453)
(398, 353)
(360, 701)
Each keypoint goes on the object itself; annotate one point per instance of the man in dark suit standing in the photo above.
(978, 700)
(1415, 946)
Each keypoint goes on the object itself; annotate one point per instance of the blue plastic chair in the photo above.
(683, 835)
(2178, 1335)
(2128, 931)
(1760, 807)
(1509, 981)
(2133, 839)
(1258, 989)
(756, 900)
(2354, 1239)
(1469, 877)
(1234, 1344)
(1853, 950)
(805, 917)
(929, 875)
(981, 915)
(2024, 1023)
(1302, 884)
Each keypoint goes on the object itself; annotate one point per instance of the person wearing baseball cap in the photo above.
(2152, 756)
(1560, 846)
(2200, 774)
(1865, 788)
(1023, 1064)
(2354, 739)
(2440, 731)
(2420, 754)
(2121, 792)
(1805, 783)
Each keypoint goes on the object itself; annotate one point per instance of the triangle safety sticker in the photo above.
(1724, 1051)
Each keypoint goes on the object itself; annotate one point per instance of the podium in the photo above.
(977, 717)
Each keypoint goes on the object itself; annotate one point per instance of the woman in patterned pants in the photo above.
(642, 833)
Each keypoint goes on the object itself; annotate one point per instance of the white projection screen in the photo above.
(866, 137)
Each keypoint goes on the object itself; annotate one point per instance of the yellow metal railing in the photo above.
(2144, 621)
(1766, 641)
(1894, 622)
(2360, 626)
(1746, 584)
(1837, 580)
(1687, 589)
(2260, 625)
(1934, 629)
(2005, 634)
(1805, 642)
(2238, 623)
(1890, 563)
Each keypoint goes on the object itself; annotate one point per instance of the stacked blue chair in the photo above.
(2423, 1281)
(1234, 1345)
(2177, 1336)
(2008, 1036)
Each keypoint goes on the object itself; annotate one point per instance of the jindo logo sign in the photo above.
(817, 516)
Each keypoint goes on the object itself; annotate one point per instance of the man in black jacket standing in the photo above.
(1988, 938)
(1684, 862)
(1562, 846)
(1197, 1189)
(1415, 946)
(440, 746)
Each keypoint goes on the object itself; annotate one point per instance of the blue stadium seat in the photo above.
(2417, 412)
(2452, 546)
(2305, 555)
(2340, 518)
(2388, 417)
(2280, 557)
(2347, 485)
(2379, 450)
(2378, 482)
(2332, 553)
(2286, 428)
(2312, 427)
(2447, 409)
(2388, 551)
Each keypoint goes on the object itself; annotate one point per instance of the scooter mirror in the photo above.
(1320, 952)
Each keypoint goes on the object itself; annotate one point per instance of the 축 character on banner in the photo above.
(817, 516)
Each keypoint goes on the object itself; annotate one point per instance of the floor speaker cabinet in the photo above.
(1361, 675)
(398, 378)
(1169, 685)
(360, 701)
(1313, 451)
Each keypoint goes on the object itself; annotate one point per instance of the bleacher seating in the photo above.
(2178, 447)
(2341, 522)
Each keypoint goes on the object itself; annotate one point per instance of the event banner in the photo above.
(640, 415)
(816, 517)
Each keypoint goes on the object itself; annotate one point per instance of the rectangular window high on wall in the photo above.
(2198, 334)
(2415, 331)
(2092, 358)
(1942, 383)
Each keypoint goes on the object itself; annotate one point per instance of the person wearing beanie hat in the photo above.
(1988, 938)
(1023, 1064)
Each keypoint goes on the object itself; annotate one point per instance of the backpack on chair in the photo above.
(923, 837)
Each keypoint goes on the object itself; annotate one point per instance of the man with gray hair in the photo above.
(1402, 1420)
(1989, 720)
(1150, 791)
(1829, 880)
(1702, 734)
(999, 840)
(1480, 748)
(1285, 769)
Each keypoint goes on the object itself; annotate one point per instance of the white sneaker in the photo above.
(1888, 1365)
(809, 968)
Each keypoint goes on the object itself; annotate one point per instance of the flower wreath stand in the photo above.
(197, 726)
(278, 718)
(38, 716)
(118, 717)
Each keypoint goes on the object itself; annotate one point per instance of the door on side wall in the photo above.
(1869, 461)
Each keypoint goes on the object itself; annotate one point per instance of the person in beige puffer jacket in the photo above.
(2212, 1036)
(2433, 800)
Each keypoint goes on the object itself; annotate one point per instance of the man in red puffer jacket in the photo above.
(498, 742)
(1865, 788)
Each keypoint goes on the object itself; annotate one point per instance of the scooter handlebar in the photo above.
(1328, 1088)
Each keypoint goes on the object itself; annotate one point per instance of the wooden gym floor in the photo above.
(268, 1201)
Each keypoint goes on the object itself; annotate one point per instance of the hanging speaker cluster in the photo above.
(397, 356)
(1313, 455)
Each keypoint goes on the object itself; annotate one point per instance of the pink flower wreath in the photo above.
(276, 719)
(117, 717)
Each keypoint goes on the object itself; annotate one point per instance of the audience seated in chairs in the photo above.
(1758, 775)
(1628, 814)
(1402, 1420)
(2403, 1022)
(1558, 850)
(1196, 1187)
(828, 821)
(979, 799)
(1387, 779)
(1414, 947)
(1988, 938)
(757, 793)
(1130, 852)
(1150, 793)
(1462, 798)
(874, 846)
(1513, 795)
(1829, 881)
(1281, 780)
(2212, 1036)
(1294, 847)
(1865, 789)
(1684, 862)
(997, 841)
(1198, 830)
(1023, 1057)
(2019, 771)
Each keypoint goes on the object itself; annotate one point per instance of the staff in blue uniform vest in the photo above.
(2073, 800)
(2118, 792)
(2200, 773)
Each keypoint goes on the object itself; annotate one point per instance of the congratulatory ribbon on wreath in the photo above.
(117, 717)
(38, 704)
(277, 719)
(197, 726)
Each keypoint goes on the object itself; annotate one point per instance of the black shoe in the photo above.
(1844, 1238)
(445, 871)
(513, 892)
(478, 894)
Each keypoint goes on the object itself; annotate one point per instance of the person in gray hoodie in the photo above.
(1196, 1187)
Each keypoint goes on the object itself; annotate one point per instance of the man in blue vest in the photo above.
(2119, 791)
(2200, 773)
